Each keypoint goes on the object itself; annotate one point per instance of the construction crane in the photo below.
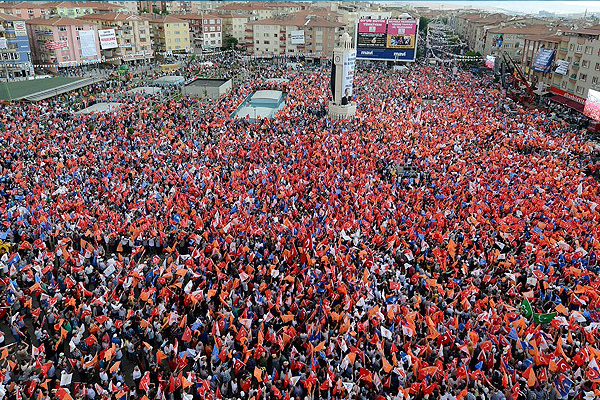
(509, 61)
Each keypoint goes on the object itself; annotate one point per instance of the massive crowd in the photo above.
(170, 251)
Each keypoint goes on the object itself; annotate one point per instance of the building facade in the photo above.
(170, 35)
(205, 30)
(132, 7)
(273, 36)
(15, 53)
(74, 9)
(25, 10)
(234, 25)
(63, 42)
(132, 34)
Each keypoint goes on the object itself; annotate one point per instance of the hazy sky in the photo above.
(521, 6)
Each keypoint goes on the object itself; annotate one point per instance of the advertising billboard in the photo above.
(562, 67)
(542, 62)
(386, 39)
(108, 39)
(592, 105)
(87, 41)
(490, 62)
(297, 37)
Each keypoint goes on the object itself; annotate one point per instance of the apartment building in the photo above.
(156, 7)
(541, 81)
(254, 10)
(75, 9)
(234, 25)
(313, 35)
(580, 48)
(170, 35)
(206, 30)
(132, 7)
(132, 35)
(511, 39)
(25, 10)
(15, 53)
(63, 42)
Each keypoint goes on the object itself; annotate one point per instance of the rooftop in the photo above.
(58, 21)
(299, 19)
(205, 82)
(113, 17)
(167, 19)
(525, 30)
(8, 17)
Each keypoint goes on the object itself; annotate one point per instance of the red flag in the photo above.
(187, 334)
(145, 381)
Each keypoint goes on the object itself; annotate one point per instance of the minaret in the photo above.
(342, 79)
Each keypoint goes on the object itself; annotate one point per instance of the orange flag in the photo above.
(115, 366)
(160, 356)
(387, 367)
(320, 346)
(287, 317)
(258, 373)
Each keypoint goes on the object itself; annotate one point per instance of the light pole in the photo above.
(6, 82)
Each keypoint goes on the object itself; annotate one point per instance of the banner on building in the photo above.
(348, 72)
(87, 41)
(387, 39)
(490, 62)
(562, 67)
(108, 39)
(542, 62)
(20, 28)
(55, 44)
(297, 37)
(592, 105)
(497, 40)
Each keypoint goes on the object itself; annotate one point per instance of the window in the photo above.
(585, 64)
(516, 45)
(212, 21)
(265, 34)
(579, 48)
(206, 21)
(176, 25)
(258, 42)
(507, 45)
(594, 80)
(177, 32)
(168, 40)
(597, 66)
(563, 85)
(267, 42)
(588, 49)
(583, 77)
(274, 35)
(218, 21)
(62, 28)
(579, 90)
(212, 28)
(177, 40)
(571, 47)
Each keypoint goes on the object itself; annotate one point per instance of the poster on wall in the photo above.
(87, 41)
(20, 28)
(108, 39)
(387, 39)
(297, 37)
(349, 63)
(562, 67)
(542, 62)
(497, 40)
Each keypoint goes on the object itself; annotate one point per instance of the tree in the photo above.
(230, 42)
(423, 22)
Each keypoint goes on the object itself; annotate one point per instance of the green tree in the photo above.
(423, 22)
(230, 42)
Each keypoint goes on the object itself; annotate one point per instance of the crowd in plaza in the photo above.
(169, 251)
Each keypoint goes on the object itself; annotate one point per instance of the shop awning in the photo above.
(567, 102)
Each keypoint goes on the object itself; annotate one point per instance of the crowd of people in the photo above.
(170, 251)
